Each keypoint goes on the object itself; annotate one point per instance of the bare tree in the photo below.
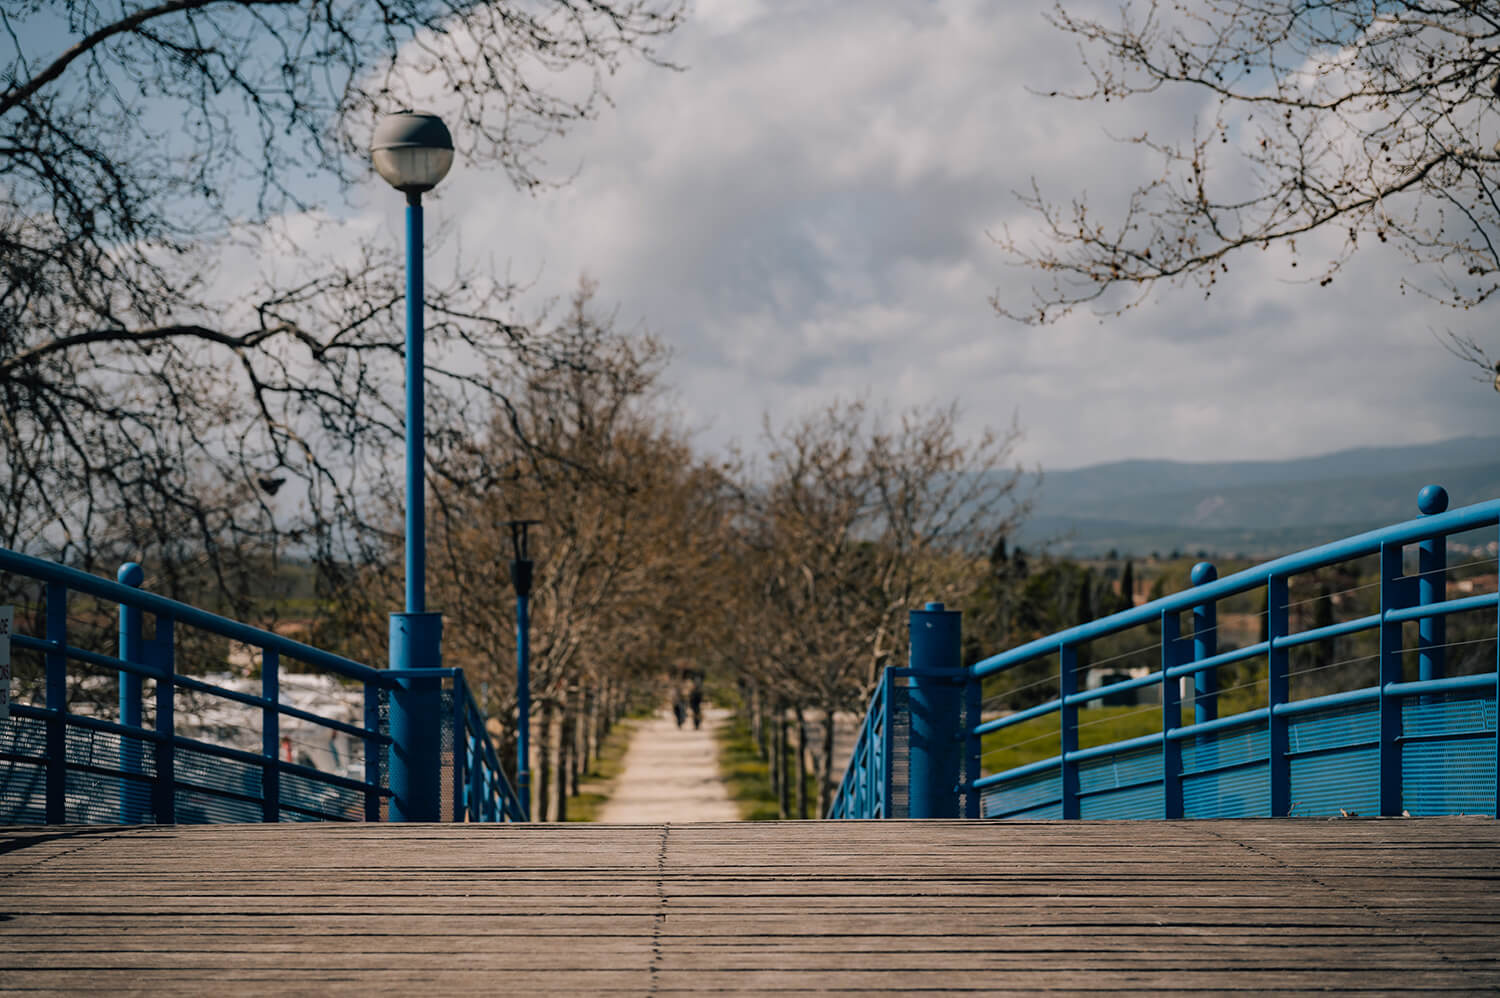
(142, 145)
(1373, 122)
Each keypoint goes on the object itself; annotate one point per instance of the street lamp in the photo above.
(520, 577)
(413, 151)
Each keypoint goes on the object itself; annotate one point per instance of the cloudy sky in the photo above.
(804, 213)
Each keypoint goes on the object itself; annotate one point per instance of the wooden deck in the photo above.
(1258, 906)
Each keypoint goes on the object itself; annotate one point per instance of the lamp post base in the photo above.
(416, 718)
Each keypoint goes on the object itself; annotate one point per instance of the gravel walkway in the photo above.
(671, 774)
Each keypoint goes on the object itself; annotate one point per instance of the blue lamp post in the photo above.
(413, 151)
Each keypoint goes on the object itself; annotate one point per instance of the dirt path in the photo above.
(671, 774)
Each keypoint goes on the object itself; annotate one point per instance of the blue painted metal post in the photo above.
(935, 763)
(1171, 716)
(1205, 645)
(162, 655)
(523, 703)
(1278, 744)
(1067, 716)
(415, 636)
(270, 736)
(1393, 588)
(1432, 565)
(416, 719)
(886, 784)
(374, 751)
(973, 704)
(131, 812)
(57, 703)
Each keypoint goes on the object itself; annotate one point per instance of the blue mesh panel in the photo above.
(1114, 772)
(23, 736)
(1125, 785)
(1139, 801)
(1234, 792)
(106, 800)
(1448, 760)
(1229, 747)
(328, 801)
(23, 790)
(1333, 765)
(1024, 797)
(1335, 727)
(212, 772)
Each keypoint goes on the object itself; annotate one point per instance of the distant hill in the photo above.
(1251, 507)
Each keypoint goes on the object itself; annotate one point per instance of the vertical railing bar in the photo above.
(1067, 728)
(1392, 584)
(164, 795)
(373, 751)
(56, 665)
(1206, 681)
(1278, 747)
(129, 688)
(1432, 569)
(1171, 717)
(460, 759)
(887, 750)
(270, 736)
(971, 744)
(1496, 769)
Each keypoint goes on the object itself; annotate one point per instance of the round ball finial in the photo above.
(131, 574)
(1204, 573)
(934, 607)
(1432, 499)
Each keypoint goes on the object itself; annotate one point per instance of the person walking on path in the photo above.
(671, 774)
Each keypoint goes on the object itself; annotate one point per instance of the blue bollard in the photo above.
(1432, 564)
(937, 692)
(416, 719)
(130, 650)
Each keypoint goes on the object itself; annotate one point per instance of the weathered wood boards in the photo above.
(1264, 906)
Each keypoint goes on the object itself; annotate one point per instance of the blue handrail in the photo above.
(1423, 745)
(58, 765)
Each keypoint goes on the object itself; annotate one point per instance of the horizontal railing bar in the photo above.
(1485, 681)
(1017, 717)
(1258, 715)
(250, 699)
(93, 585)
(1325, 633)
(1362, 545)
(1085, 696)
(1214, 661)
(1129, 744)
(256, 759)
(1226, 767)
(1029, 769)
(1123, 786)
(1367, 695)
(1484, 601)
(84, 655)
(84, 721)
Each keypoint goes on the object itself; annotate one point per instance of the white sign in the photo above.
(7, 621)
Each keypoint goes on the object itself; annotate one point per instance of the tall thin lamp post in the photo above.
(520, 577)
(413, 151)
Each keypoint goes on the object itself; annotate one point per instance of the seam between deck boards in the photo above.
(661, 906)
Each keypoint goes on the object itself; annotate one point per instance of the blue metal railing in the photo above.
(866, 789)
(1418, 745)
(146, 763)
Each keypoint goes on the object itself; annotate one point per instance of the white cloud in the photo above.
(803, 213)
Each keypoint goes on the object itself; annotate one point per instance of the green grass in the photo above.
(600, 778)
(747, 777)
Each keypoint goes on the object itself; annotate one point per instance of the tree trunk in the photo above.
(825, 794)
(565, 755)
(801, 764)
(783, 796)
(544, 762)
(587, 728)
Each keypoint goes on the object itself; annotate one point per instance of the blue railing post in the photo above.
(935, 763)
(270, 736)
(1278, 744)
(130, 574)
(1171, 715)
(57, 703)
(1067, 720)
(973, 704)
(886, 750)
(374, 751)
(1205, 645)
(1393, 589)
(415, 715)
(1432, 565)
(163, 659)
